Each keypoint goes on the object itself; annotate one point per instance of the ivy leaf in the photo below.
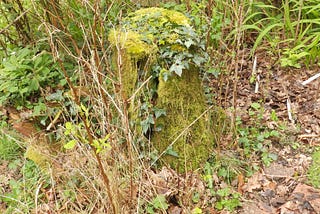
(146, 124)
(188, 43)
(177, 68)
(170, 151)
(159, 112)
(198, 60)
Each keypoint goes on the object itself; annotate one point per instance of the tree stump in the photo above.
(165, 40)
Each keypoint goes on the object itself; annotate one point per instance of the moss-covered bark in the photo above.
(182, 131)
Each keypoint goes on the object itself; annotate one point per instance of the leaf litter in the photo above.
(293, 94)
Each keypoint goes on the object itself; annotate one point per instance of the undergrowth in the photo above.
(64, 75)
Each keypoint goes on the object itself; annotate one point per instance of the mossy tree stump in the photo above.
(181, 135)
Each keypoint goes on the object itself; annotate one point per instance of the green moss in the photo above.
(132, 43)
(160, 16)
(39, 155)
(184, 101)
(314, 170)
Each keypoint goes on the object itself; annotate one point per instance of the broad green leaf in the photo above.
(188, 43)
(70, 145)
(34, 85)
(160, 202)
(159, 112)
(177, 68)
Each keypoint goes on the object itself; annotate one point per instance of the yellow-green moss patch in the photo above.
(184, 101)
(132, 43)
(161, 15)
(39, 155)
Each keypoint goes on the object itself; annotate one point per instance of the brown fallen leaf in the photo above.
(174, 210)
(256, 208)
(254, 182)
(27, 129)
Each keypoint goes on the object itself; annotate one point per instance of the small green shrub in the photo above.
(255, 139)
(24, 73)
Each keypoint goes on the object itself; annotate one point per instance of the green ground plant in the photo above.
(9, 148)
(23, 191)
(314, 170)
(227, 199)
(256, 138)
(158, 204)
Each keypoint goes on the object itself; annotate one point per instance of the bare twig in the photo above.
(311, 79)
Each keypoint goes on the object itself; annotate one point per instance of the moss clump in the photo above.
(157, 17)
(132, 43)
(131, 48)
(39, 155)
(314, 170)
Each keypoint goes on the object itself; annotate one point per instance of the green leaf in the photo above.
(160, 202)
(159, 112)
(197, 210)
(255, 106)
(274, 133)
(223, 192)
(198, 60)
(34, 85)
(274, 116)
(219, 205)
(70, 145)
(171, 152)
(68, 125)
(188, 43)
(195, 197)
(177, 68)
(262, 34)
